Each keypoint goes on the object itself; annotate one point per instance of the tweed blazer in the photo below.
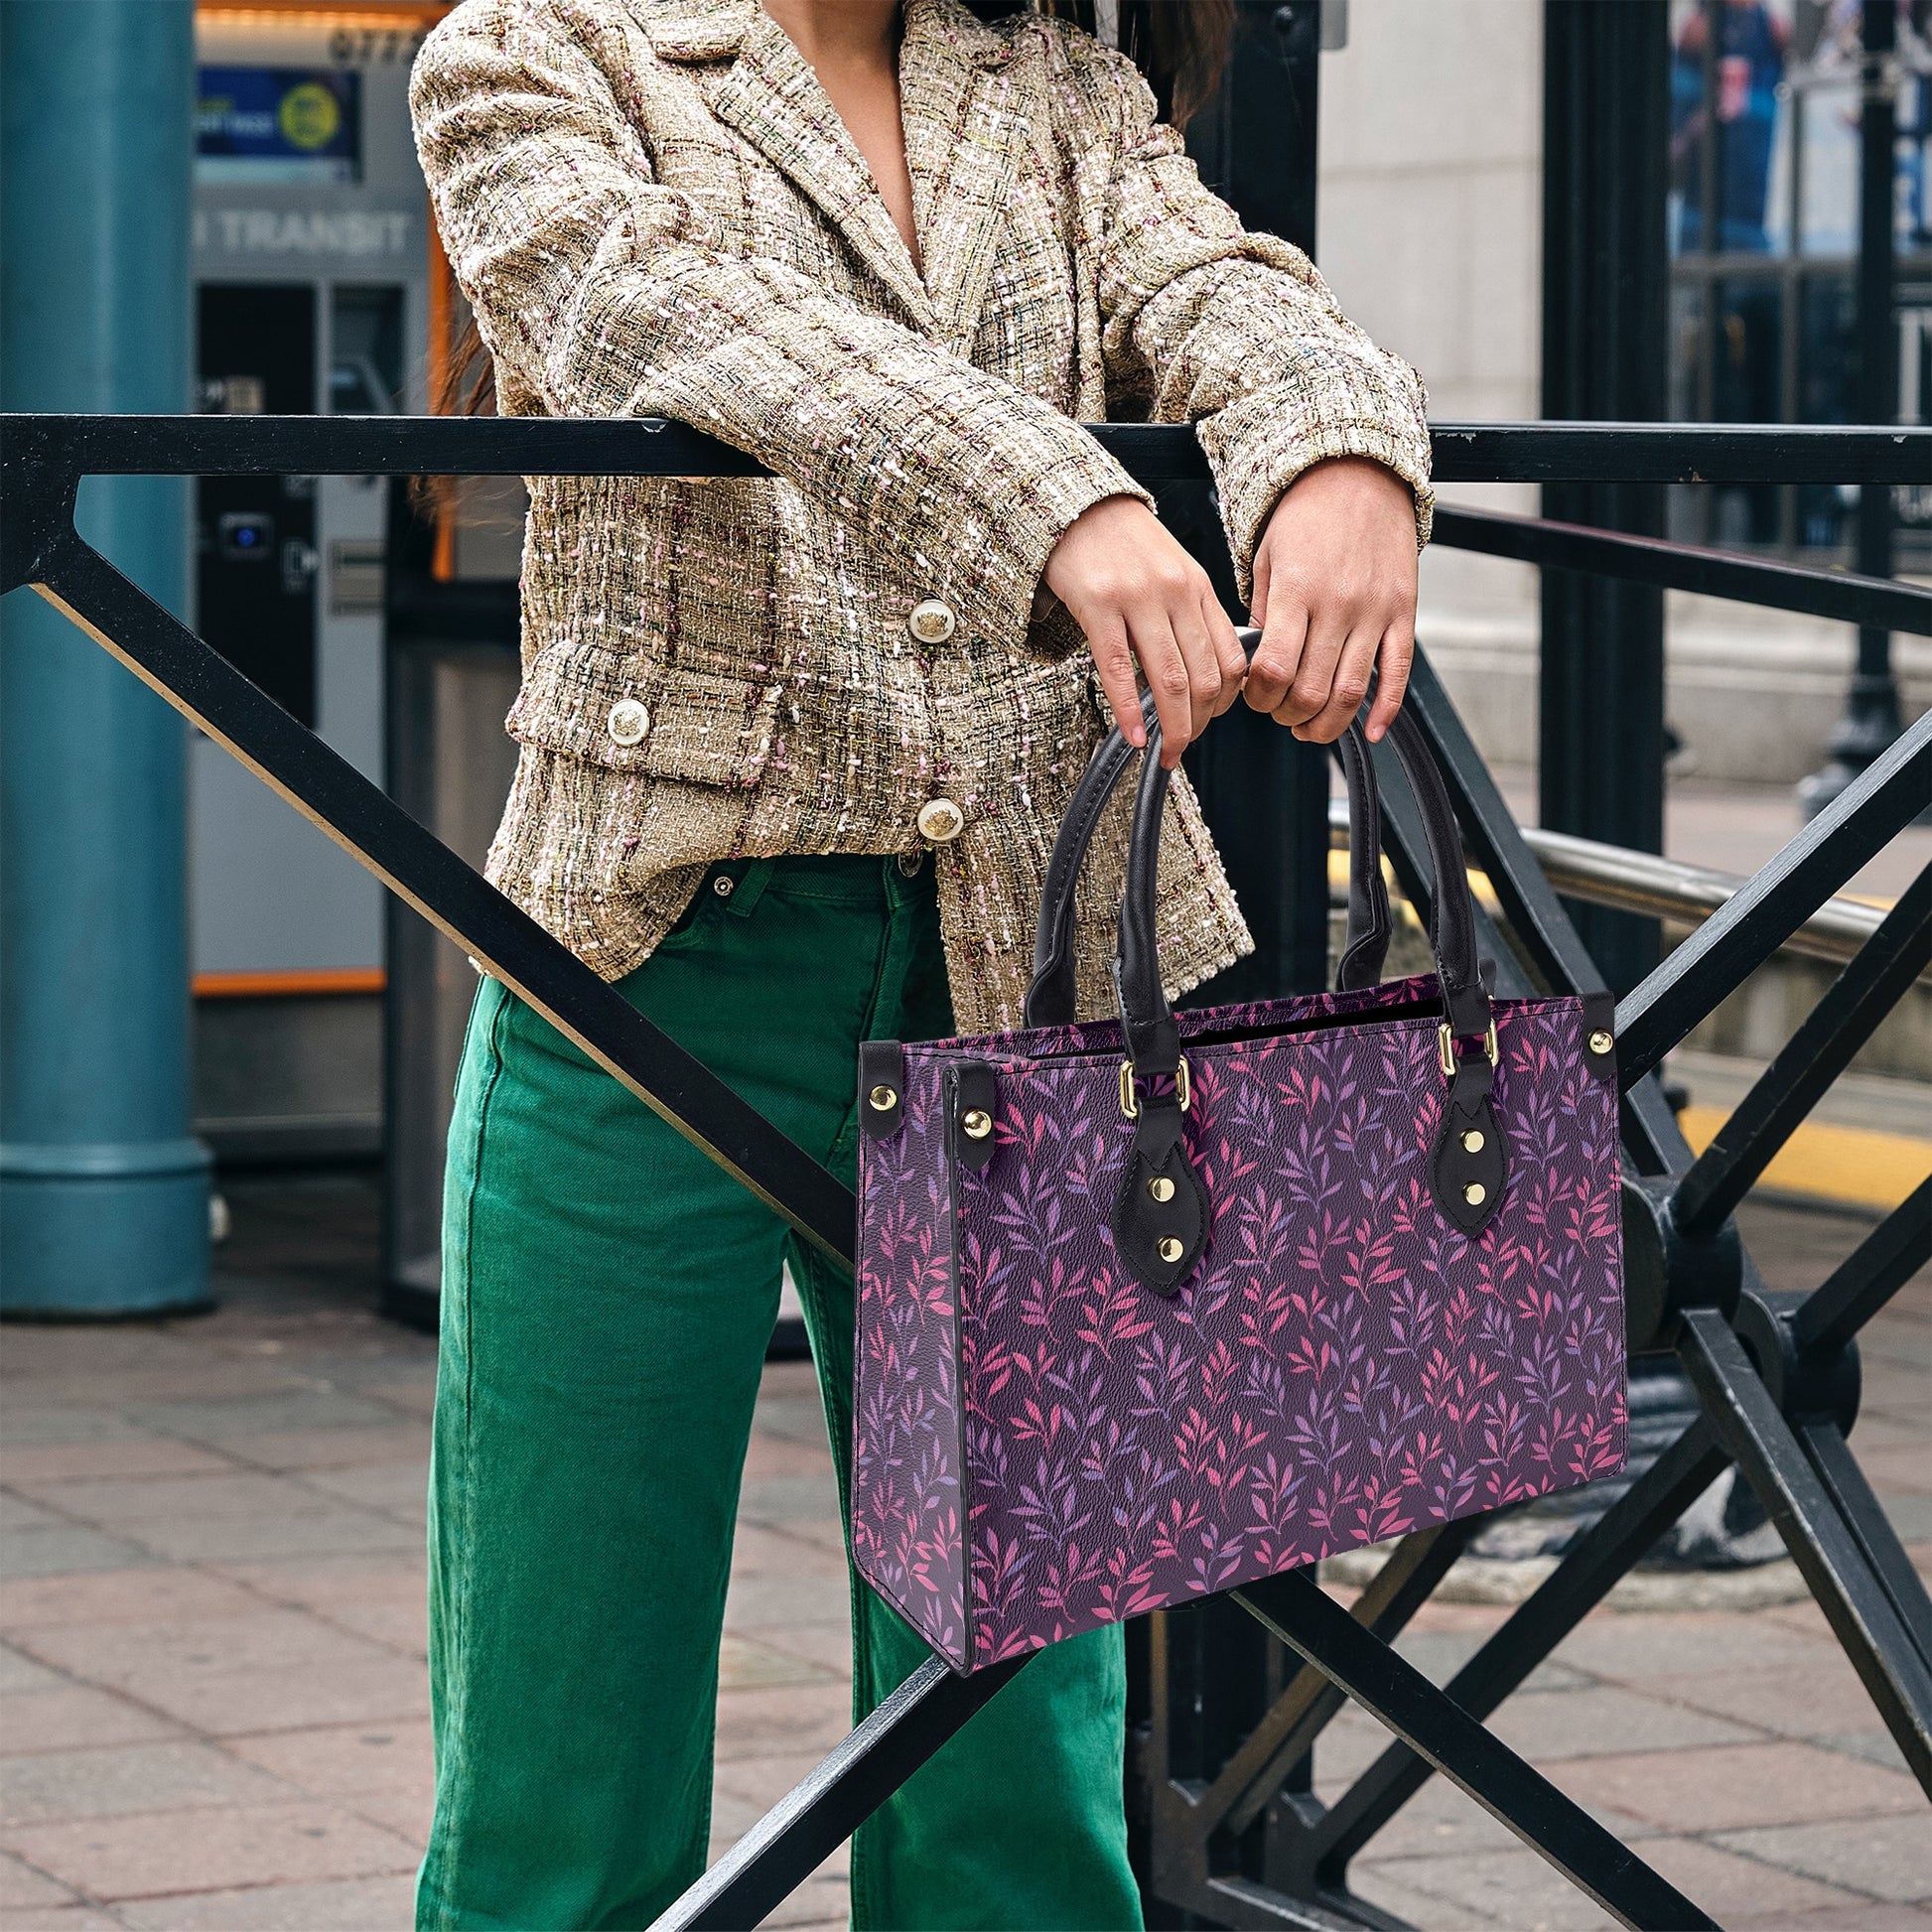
(655, 210)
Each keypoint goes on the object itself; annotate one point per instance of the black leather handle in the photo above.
(1366, 946)
(1152, 1041)
(1051, 996)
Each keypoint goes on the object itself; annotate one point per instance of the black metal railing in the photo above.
(1242, 1840)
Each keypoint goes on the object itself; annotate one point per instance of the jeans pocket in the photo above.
(695, 920)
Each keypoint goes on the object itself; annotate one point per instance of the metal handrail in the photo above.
(1667, 889)
(1682, 1286)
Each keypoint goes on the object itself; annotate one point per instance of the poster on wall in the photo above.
(257, 126)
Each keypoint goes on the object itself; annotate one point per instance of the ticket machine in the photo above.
(312, 264)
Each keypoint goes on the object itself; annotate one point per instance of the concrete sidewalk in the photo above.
(214, 1712)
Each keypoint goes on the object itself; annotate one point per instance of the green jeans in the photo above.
(607, 1294)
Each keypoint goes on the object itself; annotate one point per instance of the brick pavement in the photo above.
(213, 1711)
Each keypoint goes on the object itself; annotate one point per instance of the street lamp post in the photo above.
(1872, 717)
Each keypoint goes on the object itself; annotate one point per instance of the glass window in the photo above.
(1766, 145)
(1730, 127)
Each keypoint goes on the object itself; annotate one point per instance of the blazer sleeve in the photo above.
(604, 292)
(1236, 332)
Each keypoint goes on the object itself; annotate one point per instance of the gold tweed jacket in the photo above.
(655, 210)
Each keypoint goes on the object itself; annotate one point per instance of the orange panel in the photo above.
(297, 983)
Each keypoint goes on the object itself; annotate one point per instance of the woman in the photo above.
(793, 753)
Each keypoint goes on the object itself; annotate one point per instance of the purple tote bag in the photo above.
(1148, 1307)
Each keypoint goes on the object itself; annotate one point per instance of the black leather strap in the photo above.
(1052, 997)
(1162, 1216)
(1144, 1015)
(1468, 1166)
(1365, 950)
(1451, 909)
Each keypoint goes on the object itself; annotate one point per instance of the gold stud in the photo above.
(1475, 1193)
(1161, 1188)
(1601, 1042)
(884, 1099)
(1172, 1249)
(977, 1123)
(1472, 1141)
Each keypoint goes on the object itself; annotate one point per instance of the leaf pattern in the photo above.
(1041, 1445)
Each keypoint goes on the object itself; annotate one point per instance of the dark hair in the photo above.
(1180, 45)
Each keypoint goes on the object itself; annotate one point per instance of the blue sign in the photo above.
(277, 124)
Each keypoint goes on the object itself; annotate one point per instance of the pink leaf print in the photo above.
(1040, 1446)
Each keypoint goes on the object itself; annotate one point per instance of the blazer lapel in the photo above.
(964, 113)
(772, 98)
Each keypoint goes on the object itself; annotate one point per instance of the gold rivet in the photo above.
(1475, 1193)
(1601, 1042)
(884, 1099)
(1170, 1249)
(1472, 1141)
(1161, 1188)
(977, 1123)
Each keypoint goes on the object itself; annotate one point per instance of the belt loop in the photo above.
(750, 889)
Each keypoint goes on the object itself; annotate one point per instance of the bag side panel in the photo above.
(1344, 1366)
(908, 1537)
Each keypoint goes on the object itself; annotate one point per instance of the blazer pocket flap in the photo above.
(704, 727)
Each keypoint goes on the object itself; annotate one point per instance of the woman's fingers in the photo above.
(1114, 661)
(1284, 638)
(1315, 675)
(1205, 674)
(1139, 598)
(1168, 676)
(1229, 655)
(1398, 654)
(1346, 687)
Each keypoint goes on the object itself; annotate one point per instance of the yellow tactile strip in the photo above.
(1856, 1166)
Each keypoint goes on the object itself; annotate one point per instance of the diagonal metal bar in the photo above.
(812, 1820)
(1845, 1483)
(1535, 915)
(1490, 829)
(1855, 1602)
(1433, 1724)
(376, 832)
(1290, 1727)
(1736, 940)
(1598, 1559)
(1867, 1277)
(1815, 1056)
(1835, 594)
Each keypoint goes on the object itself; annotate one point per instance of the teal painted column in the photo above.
(103, 1189)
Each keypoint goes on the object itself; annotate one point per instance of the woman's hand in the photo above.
(1138, 595)
(1334, 594)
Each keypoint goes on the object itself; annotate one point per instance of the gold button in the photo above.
(628, 722)
(1472, 1141)
(977, 1123)
(1161, 1188)
(1601, 1042)
(1475, 1193)
(940, 820)
(884, 1099)
(1170, 1248)
(931, 621)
